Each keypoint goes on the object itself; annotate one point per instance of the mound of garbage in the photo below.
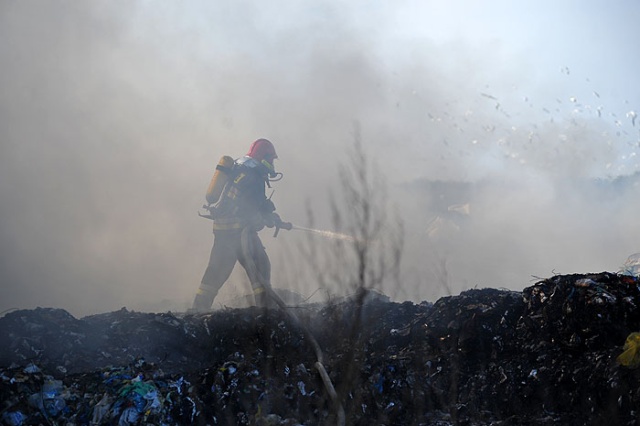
(562, 351)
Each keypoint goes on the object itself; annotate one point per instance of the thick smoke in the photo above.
(114, 114)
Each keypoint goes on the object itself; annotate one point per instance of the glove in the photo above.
(268, 206)
(286, 225)
(271, 220)
(280, 224)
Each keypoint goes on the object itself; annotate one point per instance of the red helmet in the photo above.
(262, 149)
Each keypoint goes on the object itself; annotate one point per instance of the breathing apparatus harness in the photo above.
(223, 176)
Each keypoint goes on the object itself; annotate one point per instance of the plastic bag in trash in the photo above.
(101, 409)
(49, 400)
(631, 266)
(13, 418)
(631, 355)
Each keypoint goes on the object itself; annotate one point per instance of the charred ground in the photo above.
(546, 355)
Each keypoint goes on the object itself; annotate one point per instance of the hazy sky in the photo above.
(113, 115)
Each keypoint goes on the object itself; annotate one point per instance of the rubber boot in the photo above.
(263, 298)
(203, 301)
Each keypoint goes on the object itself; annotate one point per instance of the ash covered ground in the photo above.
(546, 355)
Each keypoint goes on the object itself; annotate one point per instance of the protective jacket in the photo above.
(243, 201)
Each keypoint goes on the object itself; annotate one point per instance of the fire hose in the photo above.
(257, 278)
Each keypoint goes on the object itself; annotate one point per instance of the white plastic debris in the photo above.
(631, 266)
(31, 369)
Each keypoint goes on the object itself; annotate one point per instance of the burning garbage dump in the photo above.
(562, 351)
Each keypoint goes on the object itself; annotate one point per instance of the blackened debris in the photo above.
(546, 355)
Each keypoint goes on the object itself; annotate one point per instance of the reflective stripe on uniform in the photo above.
(225, 226)
(228, 223)
(205, 290)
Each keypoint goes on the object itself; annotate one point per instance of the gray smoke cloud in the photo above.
(114, 114)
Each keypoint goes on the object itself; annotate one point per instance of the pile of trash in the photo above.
(563, 351)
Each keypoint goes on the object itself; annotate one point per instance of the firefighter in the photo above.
(240, 208)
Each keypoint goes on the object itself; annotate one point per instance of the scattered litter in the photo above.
(631, 266)
(559, 352)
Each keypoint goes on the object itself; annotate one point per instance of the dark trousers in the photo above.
(226, 251)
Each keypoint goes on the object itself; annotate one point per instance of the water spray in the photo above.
(327, 234)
